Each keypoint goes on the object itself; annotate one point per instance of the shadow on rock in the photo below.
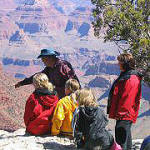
(57, 146)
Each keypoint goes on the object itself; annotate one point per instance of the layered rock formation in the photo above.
(12, 103)
(26, 26)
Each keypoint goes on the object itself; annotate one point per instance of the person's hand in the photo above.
(17, 85)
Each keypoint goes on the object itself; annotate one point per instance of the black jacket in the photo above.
(90, 127)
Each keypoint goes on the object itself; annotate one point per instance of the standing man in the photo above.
(124, 100)
(57, 70)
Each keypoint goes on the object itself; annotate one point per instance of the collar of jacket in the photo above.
(44, 92)
(126, 75)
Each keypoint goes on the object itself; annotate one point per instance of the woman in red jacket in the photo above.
(124, 100)
(40, 106)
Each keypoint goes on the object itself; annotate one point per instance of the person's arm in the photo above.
(29, 80)
(26, 81)
(58, 117)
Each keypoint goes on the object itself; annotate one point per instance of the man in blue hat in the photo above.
(57, 70)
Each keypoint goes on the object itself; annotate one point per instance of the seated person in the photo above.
(63, 114)
(89, 127)
(40, 106)
(146, 144)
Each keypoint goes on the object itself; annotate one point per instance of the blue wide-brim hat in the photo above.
(48, 52)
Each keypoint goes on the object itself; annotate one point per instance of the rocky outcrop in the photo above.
(15, 37)
(29, 27)
(84, 29)
(99, 82)
(101, 67)
(20, 75)
(7, 27)
(12, 103)
(69, 26)
(19, 62)
(79, 20)
(19, 140)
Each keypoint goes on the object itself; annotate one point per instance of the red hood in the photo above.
(46, 100)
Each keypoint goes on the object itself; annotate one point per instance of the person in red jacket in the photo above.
(124, 100)
(40, 106)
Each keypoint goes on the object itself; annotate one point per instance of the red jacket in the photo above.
(38, 113)
(125, 98)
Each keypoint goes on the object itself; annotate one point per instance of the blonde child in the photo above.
(62, 118)
(40, 106)
(90, 132)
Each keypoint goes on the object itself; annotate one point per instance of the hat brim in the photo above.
(40, 56)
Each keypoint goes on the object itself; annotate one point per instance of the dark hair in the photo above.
(127, 61)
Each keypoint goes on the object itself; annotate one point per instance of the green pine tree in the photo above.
(126, 21)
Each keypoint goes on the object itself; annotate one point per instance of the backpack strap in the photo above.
(74, 120)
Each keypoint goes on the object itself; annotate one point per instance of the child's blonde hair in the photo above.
(41, 81)
(72, 85)
(85, 97)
